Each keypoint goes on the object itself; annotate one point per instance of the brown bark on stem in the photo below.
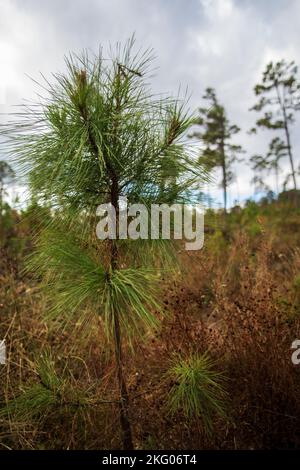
(124, 401)
(114, 256)
(281, 102)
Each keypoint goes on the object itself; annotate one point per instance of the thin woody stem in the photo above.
(114, 257)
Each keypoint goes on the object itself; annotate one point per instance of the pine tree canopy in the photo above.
(101, 134)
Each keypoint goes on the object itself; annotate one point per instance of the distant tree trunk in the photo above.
(224, 175)
(277, 179)
(1, 194)
(287, 133)
(209, 197)
(224, 189)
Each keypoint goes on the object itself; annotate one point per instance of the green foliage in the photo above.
(216, 243)
(198, 389)
(251, 211)
(132, 293)
(76, 284)
(296, 282)
(270, 162)
(279, 98)
(7, 221)
(47, 395)
(7, 175)
(100, 118)
(279, 86)
(101, 135)
(254, 229)
(11, 242)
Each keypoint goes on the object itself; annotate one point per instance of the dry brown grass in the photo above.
(238, 299)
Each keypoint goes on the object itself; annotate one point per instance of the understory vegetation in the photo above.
(215, 374)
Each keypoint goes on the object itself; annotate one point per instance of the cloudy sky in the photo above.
(198, 43)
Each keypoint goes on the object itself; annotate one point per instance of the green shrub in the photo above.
(198, 389)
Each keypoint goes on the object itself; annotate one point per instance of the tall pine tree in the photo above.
(279, 98)
(216, 134)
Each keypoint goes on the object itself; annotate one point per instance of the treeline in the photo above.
(278, 99)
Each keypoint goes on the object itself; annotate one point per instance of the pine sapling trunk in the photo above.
(124, 402)
(123, 406)
(114, 199)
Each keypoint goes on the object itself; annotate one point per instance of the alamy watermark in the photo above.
(296, 354)
(158, 221)
(2, 351)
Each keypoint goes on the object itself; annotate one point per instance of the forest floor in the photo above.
(238, 298)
